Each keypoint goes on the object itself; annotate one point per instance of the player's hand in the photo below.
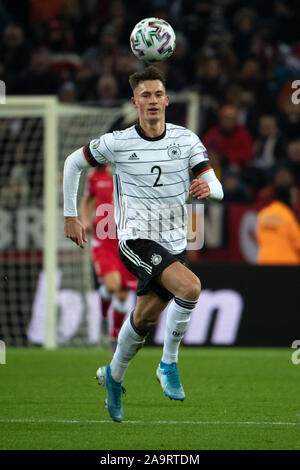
(199, 188)
(75, 230)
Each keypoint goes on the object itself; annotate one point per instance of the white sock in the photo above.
(129, 342)
(178, 317)
(121, 307)
(104, 293)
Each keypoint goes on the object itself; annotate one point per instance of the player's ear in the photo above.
(167, 100)
(133, 101)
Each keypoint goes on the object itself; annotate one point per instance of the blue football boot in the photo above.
(167, 375)
(114, 393)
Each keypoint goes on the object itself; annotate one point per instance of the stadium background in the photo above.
(229, 53)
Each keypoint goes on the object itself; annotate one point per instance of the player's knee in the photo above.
(190, 289)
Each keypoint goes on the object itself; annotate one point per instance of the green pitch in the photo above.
(236, 399)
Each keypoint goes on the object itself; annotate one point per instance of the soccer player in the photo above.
(115, 279)
(151, 163)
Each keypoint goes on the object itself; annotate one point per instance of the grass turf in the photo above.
(236, 399)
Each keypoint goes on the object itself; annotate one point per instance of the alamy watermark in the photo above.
(2, 92)
(2, 352)
(161, 223)
(296, 354)
(296, 94)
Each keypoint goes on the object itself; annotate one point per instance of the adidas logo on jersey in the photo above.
(133, 157)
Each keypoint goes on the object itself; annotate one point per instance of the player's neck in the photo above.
(152, 130)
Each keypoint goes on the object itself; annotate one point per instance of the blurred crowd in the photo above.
(241, 57)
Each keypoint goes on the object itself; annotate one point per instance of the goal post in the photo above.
(45, 108)
(48, 296)
(50, 218)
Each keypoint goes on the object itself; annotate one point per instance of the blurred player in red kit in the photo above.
(97, 215)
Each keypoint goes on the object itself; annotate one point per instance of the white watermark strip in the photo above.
(2, 352)
(296, 354)
(2, 92)
(296, 94)
(161, 223)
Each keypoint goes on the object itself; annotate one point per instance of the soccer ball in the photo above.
(152, 40)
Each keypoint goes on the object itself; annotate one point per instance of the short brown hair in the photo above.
(149, 73)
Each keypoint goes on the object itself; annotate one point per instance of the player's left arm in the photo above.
(207, 186)
(205, 183)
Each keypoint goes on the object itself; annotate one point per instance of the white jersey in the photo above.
(151, 181)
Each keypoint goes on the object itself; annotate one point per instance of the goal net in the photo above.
(48, 293)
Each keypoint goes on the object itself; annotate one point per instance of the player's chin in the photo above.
(153, 120)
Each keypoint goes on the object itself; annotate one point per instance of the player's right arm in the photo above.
(73, 167)
(98, 151)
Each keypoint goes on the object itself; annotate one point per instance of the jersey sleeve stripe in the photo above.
(201, 168)
(89, 157)
(205, 171)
